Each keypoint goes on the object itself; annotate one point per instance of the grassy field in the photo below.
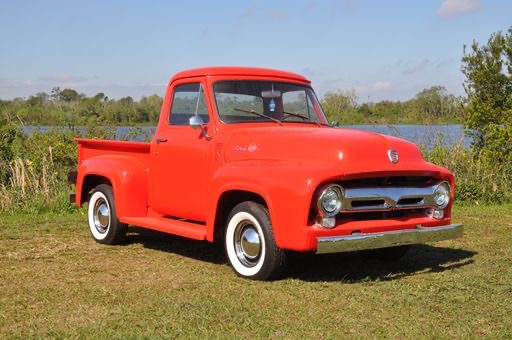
(55, 281)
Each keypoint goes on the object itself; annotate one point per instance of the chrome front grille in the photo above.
(387, 198)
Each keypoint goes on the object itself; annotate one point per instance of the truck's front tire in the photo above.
(103, 222)
(250, 245)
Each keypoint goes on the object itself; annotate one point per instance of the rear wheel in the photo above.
(103, 223)
(250, 245)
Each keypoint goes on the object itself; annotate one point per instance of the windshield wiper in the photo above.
(259, 114)
(301, 116)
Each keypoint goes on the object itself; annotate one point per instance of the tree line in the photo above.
(434, 105)
(69, 108)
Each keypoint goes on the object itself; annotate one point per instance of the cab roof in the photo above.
(238, 71)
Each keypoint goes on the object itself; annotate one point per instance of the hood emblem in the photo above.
(393, 156)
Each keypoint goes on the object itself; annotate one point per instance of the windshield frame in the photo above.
(322, 119)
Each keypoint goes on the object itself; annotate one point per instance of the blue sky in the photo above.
(382, 49)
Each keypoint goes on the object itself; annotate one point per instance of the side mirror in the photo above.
(196, 122)
(335, 123)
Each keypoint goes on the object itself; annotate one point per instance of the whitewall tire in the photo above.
(101, 213)
(249, 243)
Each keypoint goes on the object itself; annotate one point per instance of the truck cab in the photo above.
(246, 157)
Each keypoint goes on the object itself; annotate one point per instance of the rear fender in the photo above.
(128, 177)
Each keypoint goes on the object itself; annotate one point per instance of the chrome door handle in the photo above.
(161, 140)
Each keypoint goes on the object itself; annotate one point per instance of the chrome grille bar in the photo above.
(387, 198)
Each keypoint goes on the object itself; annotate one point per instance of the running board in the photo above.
(181, 228)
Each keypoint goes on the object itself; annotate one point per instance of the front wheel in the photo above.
(250, 245)
(103, 223)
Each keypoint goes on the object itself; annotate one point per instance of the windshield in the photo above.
(256, 101)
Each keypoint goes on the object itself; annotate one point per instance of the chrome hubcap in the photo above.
(247, 244)
(101, 215)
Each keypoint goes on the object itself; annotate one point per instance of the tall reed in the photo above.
(28, 185)
(35, 177)
(477, 178)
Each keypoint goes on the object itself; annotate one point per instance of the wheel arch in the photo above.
(226, 202)
(90, 182)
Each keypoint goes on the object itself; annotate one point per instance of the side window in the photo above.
(187, 100)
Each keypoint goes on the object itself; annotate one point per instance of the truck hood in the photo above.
(348, 150)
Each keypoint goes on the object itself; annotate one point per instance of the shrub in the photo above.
(478, 179)
(488, 71)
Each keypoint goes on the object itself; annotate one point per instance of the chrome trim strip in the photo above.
(390, 197)
(388, 239)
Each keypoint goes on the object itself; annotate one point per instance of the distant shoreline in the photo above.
(421, 134)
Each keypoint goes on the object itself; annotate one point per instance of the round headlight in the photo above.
(329, 201)
(442, 195)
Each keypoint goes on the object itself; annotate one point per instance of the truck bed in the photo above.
(88, 148)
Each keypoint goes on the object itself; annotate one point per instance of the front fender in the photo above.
(286, 187)
(129, 179)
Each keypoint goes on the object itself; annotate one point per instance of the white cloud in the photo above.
(277, 14)
(63, 78)
(324, 82)
(417, 68)
(377, 87)
(119, 10)
(381, 86)
(63, 81)
(457, 7)
(248, 13)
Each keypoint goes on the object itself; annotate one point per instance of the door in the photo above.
(180, 157)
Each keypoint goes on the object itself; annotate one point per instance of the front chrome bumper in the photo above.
(388, 239)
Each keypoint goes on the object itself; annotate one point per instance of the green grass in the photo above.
(55, 281)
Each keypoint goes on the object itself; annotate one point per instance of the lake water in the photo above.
(426, 135)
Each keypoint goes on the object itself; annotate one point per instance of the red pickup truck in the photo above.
(245, 156)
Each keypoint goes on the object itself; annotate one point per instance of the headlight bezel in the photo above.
(322, 193)
(445, 189)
